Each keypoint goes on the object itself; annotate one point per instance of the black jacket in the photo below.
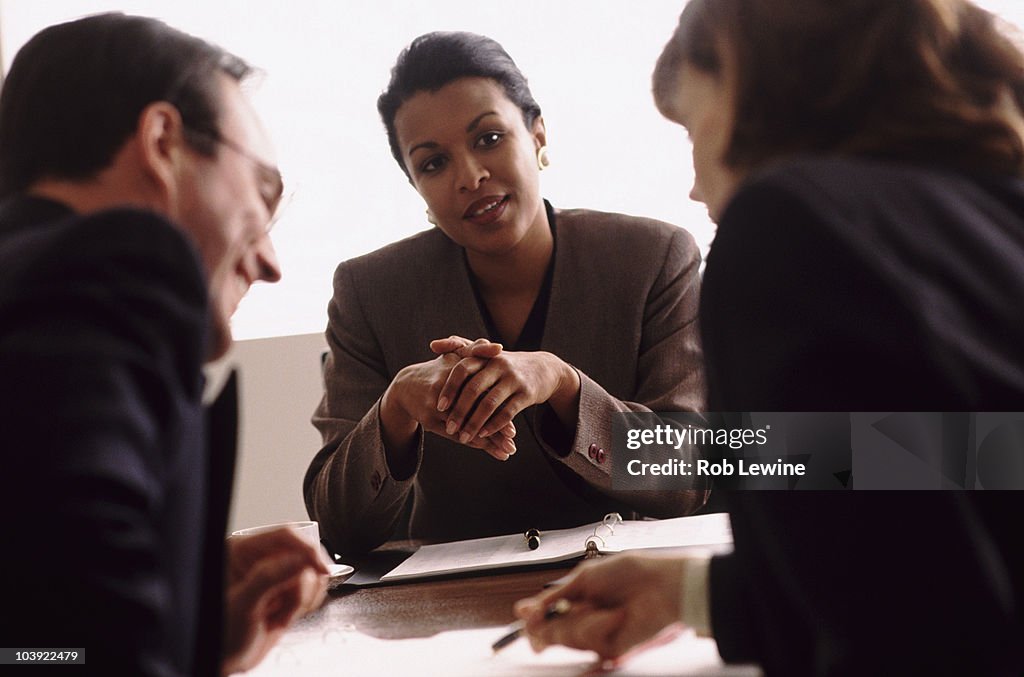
(112, 509)
(849, 286)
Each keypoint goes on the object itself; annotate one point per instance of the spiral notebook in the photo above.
(608, 536)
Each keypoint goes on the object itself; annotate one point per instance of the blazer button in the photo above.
(600, 455)
(592, 451)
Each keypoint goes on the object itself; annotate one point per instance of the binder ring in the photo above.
(603, 530)
(612, 519)
(607, 526)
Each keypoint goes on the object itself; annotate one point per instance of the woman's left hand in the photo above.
(483, 402)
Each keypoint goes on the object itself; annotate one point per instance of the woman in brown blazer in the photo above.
(595, 314)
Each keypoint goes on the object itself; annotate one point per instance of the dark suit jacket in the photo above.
(113, 512)
(846, 285)
(622, 311)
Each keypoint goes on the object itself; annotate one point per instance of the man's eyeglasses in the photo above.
(271, 181)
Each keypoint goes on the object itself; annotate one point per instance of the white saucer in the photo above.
(339, 570)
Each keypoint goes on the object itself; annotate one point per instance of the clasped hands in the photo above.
(472, 390)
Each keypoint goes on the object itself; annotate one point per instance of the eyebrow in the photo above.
(469, 128)
(476, 121)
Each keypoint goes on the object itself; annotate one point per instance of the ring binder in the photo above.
(591, 549)
(610, 535)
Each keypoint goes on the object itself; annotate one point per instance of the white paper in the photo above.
(467, 653)
(562, 544)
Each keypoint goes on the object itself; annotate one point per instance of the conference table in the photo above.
(446, 626)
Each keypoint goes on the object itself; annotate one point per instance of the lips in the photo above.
(486, 210)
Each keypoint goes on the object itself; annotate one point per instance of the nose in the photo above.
(471, 174)
(695, 194)
(268, 269)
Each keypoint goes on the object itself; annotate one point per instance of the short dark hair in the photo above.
(433, 60)
(75, 92)
(924, 81)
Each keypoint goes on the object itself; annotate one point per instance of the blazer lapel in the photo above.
(221, 447)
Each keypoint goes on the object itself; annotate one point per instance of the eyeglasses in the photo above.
(271, 181)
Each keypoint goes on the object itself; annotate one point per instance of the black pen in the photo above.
(559, 608)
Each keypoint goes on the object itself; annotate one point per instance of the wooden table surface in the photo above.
(427, 607)
(322, 642)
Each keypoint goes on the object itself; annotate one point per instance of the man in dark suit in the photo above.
(136, 189)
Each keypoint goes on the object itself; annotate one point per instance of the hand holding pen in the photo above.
(557, 608)
(612, 604)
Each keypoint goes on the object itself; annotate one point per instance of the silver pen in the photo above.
(558, 608)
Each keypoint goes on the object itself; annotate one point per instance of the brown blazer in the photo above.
(622, 311)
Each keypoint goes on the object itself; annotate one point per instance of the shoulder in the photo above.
(862, 189)
(802, 199)
(122, 285)
(159, 249)
(124, 248)
(804, 209)
(587, 228)
(870, 206)
(830, 186)
(844, 174)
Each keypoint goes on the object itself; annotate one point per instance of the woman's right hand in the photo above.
(615, 603)
(412, 398)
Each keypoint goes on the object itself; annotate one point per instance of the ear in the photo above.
(540, 135)
(161, 140)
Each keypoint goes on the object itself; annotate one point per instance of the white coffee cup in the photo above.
(309, 531)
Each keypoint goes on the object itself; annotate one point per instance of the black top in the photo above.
(846, 285)
(533, 330)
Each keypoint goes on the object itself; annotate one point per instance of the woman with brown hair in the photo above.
(863, 160)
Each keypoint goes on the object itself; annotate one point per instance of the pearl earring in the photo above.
(543, 161)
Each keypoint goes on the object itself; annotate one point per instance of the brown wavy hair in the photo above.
(928, 81)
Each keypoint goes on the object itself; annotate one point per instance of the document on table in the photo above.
(563, 544)
(467, 653)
